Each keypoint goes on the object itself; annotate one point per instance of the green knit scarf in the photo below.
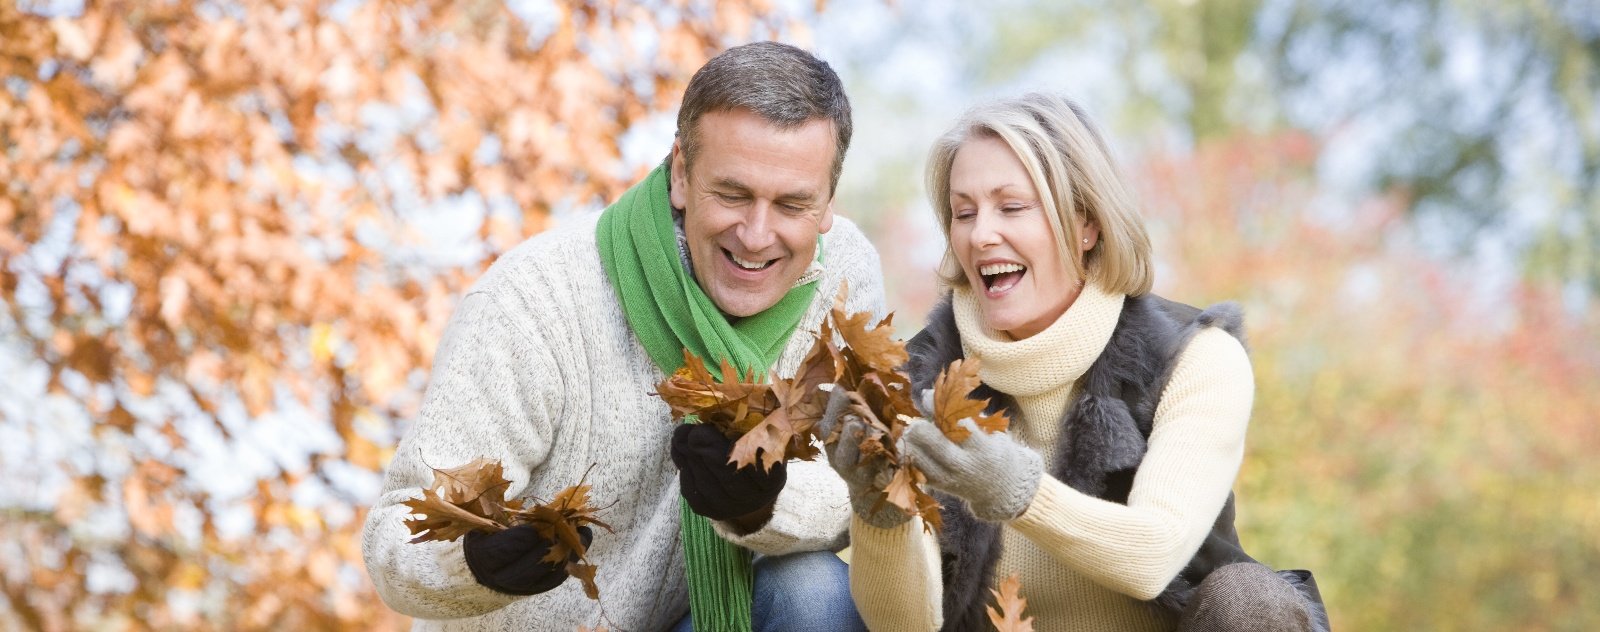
(669, 312)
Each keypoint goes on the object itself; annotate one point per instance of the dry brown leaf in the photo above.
(440, 520)
(766, 443)
(873, 346)
(951, 402)
(774, 423)
(559, 520)
(1009, 617)
(880, 394)
(771, 422)
(585, 574)
(802, 396)
(724, 401)
(479, 483)
(902, 490)
(471, 497)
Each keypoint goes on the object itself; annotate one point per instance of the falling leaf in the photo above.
(951, 402)
(1009, 617)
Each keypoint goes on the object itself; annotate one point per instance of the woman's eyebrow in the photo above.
(995, 192)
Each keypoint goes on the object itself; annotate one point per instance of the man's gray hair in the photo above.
(782, 84)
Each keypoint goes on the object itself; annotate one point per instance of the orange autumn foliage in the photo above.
(213, 214)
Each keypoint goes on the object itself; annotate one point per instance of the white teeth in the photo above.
(748, 265)
(1000, 268)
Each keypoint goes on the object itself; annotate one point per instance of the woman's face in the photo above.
(1001, 237)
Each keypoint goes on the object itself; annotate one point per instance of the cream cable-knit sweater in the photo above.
(1085, 563)
(539, 369)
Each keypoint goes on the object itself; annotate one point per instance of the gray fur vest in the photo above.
(1106, 426)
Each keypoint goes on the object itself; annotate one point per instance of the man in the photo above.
(731, 250)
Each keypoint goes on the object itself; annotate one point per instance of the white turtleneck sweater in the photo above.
(1085, 563)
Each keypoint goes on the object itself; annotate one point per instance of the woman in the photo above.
(1110, 494)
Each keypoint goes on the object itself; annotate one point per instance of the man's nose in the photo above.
(755, 233)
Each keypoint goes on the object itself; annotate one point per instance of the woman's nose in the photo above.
(986, 230)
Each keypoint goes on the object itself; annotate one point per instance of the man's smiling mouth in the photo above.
(753, 266)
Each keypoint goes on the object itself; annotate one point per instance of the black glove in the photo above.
(715, 488)
(509, 561)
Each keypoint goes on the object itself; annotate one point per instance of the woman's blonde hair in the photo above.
(1072, 168)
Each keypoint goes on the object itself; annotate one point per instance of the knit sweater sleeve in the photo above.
(494, 392)
(1194, 452)
(895, 578)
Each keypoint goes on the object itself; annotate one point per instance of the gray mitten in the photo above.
(992, 472)
(865, 480)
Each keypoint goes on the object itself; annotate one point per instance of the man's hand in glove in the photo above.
(510, 561)
(715, 488)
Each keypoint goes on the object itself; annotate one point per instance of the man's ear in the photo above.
(825, 223)
(680, 176)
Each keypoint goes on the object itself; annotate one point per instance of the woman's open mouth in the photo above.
(999, 278)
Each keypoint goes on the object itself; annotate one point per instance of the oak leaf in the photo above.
(727, 403)
(441, 520)
(558, 521)
(1009, 617)
(467, 498)
(786, 432)
(873, 346)
(951, 402)
(471, 497)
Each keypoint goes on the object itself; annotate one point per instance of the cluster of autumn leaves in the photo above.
(770, 422)
(472, 497)
(777, 421)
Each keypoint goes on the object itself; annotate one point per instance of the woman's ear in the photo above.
(1088, 236)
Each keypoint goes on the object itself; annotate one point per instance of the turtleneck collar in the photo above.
(1049, 360)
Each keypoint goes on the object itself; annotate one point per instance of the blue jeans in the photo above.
(802, 592)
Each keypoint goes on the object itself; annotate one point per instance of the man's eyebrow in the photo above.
(729, 183)
(803, 197)
(800, 196)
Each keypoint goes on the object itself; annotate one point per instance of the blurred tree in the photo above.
(1482, 114)
(1428, 456)
(1488, 111)
(217, 211)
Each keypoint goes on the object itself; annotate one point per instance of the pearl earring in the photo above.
(1086, 240)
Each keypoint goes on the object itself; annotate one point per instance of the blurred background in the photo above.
(231, 232)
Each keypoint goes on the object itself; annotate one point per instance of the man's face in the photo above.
(754, 203)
